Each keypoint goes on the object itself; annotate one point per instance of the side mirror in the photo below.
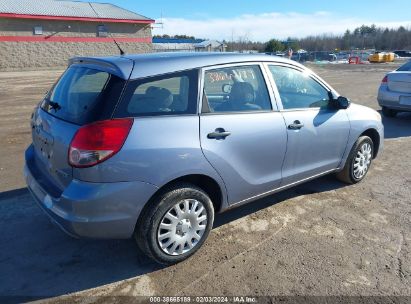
(343, 102)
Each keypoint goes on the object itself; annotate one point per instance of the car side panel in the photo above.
(361, 120)
(318, 146)
(157, 151)
(250, 159)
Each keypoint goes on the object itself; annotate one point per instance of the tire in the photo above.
(387, 112)
(187, 228)
(352, 171)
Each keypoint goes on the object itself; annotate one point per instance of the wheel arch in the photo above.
(208, 184)
(375, 137)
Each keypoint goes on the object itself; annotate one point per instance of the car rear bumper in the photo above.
(93, 210)
(391, 100)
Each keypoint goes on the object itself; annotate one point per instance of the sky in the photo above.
(261, 20)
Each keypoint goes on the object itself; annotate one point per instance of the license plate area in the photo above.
(43, 143)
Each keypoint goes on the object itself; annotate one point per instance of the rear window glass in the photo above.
(169, 94)
(406, 67)
(83, 95)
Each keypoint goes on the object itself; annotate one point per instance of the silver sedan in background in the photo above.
(394, 94)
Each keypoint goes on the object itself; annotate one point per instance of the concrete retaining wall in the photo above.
(30, 55)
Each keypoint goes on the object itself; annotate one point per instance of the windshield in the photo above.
(83, 95)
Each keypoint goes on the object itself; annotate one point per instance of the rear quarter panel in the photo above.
(157, 151)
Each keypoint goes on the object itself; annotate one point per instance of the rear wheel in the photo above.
(387, 112)
(176, 225)
(358, 162)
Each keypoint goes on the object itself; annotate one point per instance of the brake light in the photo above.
(96, 142)
(385, 79)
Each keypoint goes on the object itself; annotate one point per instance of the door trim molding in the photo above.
(281, 188)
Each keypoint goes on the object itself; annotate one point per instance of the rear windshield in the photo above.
(169, 94)
(406, 67)
(83, 95)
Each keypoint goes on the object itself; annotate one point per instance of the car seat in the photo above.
(241, 98)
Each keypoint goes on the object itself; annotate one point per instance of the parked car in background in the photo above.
(394, 94)
(279, 54)
(322, 56)
(403, 53)
(152, 146)
(300, 56)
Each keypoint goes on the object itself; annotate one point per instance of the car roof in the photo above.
(146, 65)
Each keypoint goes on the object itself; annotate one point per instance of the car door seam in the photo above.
(208, 161)
(348, 139)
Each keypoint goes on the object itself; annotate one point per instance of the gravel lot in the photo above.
(322, 238)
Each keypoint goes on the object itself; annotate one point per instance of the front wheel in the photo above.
(358, 162)
(176, 225)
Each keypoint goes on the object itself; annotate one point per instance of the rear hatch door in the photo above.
(82, 95)
(51, 139)
(400, 82)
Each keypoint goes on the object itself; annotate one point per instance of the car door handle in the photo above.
(219, 133)
(296, 125)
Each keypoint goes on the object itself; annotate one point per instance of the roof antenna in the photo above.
(121, 50)
(118, 46)
(108, 32)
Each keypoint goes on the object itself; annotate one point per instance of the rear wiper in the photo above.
(54, 106)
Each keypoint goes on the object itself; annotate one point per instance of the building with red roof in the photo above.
(45, 33)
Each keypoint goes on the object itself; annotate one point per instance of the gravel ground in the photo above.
(322, 238)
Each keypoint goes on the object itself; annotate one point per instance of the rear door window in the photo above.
(169, 94)
(236, 89)
(83, 95)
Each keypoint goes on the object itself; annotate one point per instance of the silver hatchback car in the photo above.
(394, 94)
(152, 146)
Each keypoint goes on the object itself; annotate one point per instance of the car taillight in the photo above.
(385, 79)
(98, 141)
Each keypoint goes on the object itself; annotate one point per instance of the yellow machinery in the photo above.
(381, 57)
